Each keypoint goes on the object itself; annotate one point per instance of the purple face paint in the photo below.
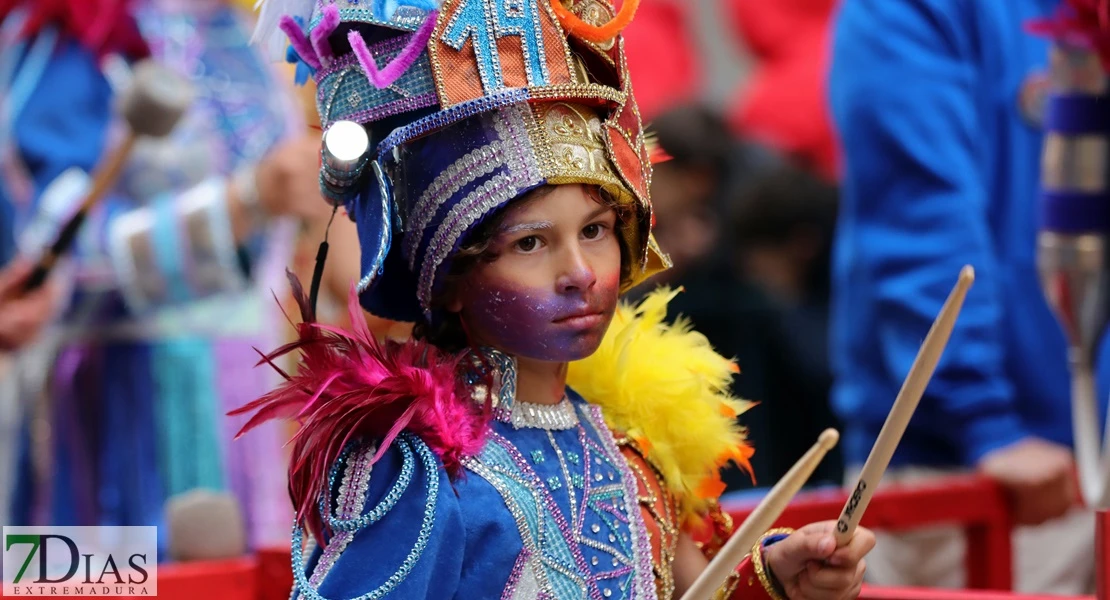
(552, 298)
(539, 323)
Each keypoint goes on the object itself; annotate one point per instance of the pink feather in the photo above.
(349, 386)
(300, 43)
(401, 63)
(327, 26)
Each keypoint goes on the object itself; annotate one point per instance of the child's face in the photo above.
(551, 287)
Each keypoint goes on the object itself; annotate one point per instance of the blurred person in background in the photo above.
(694, 195)
(934, 101)
(170, 274)
(782, 224)
(22, 315)
(701, 160)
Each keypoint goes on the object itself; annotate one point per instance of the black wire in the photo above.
(318, 271)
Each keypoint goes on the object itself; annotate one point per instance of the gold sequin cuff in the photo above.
(726, 591)
(721, 528)
(774, 590)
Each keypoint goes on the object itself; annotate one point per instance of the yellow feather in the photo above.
(665, 386)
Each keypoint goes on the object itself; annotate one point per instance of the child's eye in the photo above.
(528, 244)
(593, 231)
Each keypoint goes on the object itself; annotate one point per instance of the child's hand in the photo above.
(810, 566)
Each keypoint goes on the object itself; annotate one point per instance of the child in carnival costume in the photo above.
(534, 439)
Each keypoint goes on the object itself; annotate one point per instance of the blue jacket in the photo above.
(941, 170)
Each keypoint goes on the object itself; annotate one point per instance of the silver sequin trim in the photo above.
(385, 235)
(478, 163)
(522, 172)
(643, 580)
(552, 417)
(405, 18)
(352, 496)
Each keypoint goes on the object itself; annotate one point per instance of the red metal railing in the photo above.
(881, 593)
(975, 503)
(1102, 554)
(237, 579)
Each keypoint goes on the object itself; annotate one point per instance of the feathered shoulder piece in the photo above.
(349, 386)
(666, 388)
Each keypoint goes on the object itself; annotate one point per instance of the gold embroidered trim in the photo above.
(666, 520)
(761, 571)
(578, 91)
(729, 588)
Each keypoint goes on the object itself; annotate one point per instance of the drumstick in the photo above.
(904, 405)
(761, 519)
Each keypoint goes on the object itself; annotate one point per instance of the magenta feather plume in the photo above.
(350, 386)
(393, 71)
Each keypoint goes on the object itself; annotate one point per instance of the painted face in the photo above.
(551, 286)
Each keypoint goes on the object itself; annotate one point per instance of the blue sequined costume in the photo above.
(546, 510)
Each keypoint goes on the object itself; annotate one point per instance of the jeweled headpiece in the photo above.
(468, 105)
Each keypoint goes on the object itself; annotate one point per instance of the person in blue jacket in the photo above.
(935, 104)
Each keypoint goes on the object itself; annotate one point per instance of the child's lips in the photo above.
(586, 319)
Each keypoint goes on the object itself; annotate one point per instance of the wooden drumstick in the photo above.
(762, 518)
(904, 405)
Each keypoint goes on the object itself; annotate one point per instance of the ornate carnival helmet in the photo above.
(460, 108)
